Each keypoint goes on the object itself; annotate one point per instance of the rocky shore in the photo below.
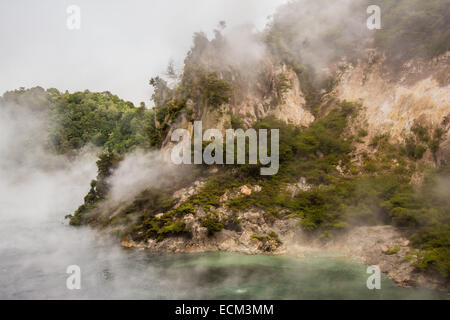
(383, 246)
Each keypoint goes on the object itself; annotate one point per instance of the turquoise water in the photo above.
(33, 263)
(237, 276)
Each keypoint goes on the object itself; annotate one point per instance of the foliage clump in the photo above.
(212, 223)
(107, 162)
(81, 118)
(215, 90)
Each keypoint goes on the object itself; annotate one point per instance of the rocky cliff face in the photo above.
(194, 218)
(393, 103)
(283, 97)
(275, 91)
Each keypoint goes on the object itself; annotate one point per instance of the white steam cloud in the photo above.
(138, 171)
(321, 31)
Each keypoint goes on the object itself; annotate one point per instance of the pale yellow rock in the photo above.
(127, 243)
(228, 245)
(257, 188)
(223, 198)
(246, 190)
(393, 107)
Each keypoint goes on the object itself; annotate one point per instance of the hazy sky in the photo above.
(120, 46)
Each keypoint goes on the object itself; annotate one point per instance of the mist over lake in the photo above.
(125, 171)
(37, 245)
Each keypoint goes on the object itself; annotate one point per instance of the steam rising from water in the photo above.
(36, 245)
(37, 189)
(138, 171)
(33, 182)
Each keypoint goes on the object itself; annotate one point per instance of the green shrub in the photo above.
(403, 217)
(362, 133)
(420, 132)
(236, 122)
(185, 208)
(435, 259)
(392, 251)
(270, 236)
(413, 150)
(212, 223)
(257, 236)
(215, 90)
(371, 166)
(176, 227)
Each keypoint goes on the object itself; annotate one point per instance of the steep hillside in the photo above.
(364, 144)
(412, 108)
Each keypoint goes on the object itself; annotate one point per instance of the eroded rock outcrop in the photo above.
(276, 91)
(392, 104)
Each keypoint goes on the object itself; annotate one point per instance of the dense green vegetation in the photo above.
(100, 118)
(216, 91)
(426, 212)
(77, 119)
(212, 223)
(107, 162)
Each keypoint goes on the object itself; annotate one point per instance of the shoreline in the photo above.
(383, 246)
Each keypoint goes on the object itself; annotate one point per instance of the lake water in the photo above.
(34, 264)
